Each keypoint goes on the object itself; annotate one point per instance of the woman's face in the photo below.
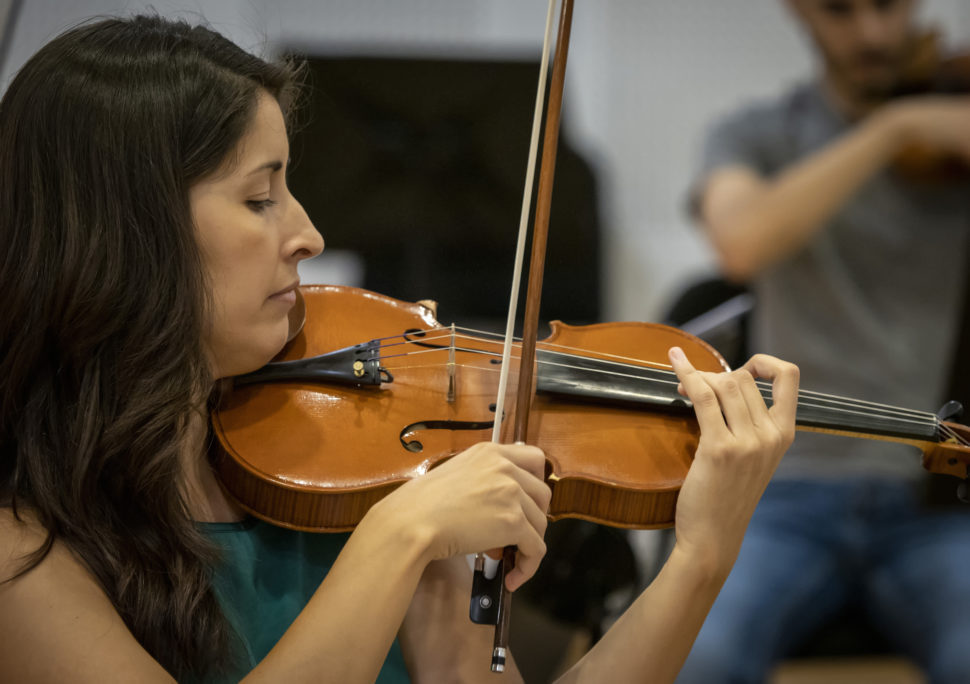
(252, 233)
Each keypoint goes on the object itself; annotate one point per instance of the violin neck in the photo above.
(838, 415)
(590, 379)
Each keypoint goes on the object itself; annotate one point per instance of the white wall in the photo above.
(6, 14)
(5, 7)
(644, 78)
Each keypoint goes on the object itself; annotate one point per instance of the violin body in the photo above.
(316, 456)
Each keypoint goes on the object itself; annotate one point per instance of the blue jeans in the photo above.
(812, 546)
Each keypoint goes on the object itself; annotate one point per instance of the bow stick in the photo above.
(534, 290)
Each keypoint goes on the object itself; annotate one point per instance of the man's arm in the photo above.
(754, 222)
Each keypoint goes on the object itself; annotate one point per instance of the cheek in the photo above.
(240, 266)
(246, 329)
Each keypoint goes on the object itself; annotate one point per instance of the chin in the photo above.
(268, 352)
(241, 361)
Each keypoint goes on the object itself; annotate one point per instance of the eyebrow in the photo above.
(272, 165)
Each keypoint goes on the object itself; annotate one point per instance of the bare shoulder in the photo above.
(56, 623)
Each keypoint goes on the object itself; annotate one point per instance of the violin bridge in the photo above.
(451, 368)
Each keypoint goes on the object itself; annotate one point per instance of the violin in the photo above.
(374, 391)
(927, 70)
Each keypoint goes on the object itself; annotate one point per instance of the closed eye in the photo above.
(260, 205)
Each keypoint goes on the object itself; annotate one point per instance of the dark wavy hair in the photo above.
(102, 134)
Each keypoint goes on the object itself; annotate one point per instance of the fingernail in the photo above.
(677, 354)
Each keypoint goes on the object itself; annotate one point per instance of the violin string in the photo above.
(471, 333)
(926, 420)
(806, 404)
(950, 432)
(610, 358)
(619, 360)
(766, 387)
(953, 434)
(889, 411)
(476, 334)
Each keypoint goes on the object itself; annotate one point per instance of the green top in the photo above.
(267, 575)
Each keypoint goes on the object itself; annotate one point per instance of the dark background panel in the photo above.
(418, 166)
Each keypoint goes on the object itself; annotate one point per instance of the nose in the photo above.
(305, 242)
(872, 25)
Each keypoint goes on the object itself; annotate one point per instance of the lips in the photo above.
(286, 290)
(287, 295)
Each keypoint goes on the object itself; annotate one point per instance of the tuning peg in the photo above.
(951, 410)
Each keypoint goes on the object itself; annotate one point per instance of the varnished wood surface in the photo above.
(316, 457)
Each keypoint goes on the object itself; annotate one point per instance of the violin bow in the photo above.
(530, 324)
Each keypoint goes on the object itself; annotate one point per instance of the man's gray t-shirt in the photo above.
(869, 309)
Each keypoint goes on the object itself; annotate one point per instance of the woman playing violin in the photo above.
(151, 249)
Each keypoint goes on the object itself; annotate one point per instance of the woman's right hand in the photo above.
(487, 497)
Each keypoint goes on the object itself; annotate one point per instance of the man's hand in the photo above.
(938, 122)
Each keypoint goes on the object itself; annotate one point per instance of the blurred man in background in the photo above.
(859, 276)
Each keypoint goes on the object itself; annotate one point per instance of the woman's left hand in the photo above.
(741, 444)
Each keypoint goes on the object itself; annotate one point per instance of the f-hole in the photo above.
(416, 446)
(417, 332)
